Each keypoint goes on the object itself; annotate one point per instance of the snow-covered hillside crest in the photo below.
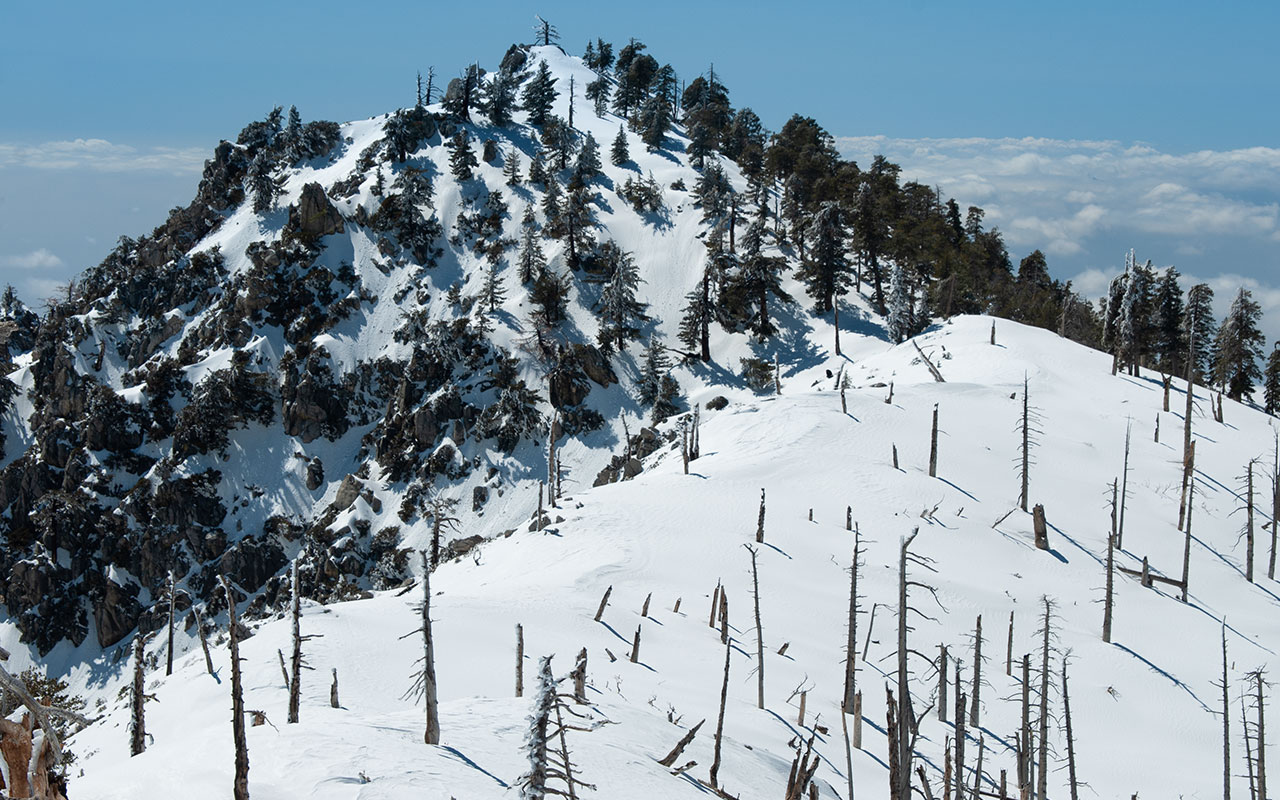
(321, 339)
(1143, 707)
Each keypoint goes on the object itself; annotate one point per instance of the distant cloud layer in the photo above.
(36, 259)
(101, 155)
(1213, 214)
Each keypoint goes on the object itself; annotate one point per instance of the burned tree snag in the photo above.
(1124, 486)
(715, 606)
(635, 647)
(669, 759)
(137, 723)
(1040, 526)
(724, 696)
(168, 669)
(428, 675)
(333, 690)
(760, 521)
(1071, 745)
(1024, 744)
(755, 590)
(1186, 545)
(295, 662)
(1008, 653)
(1248, 529)
(942, 683)
(933, 444)
(580, 677)
(1109, 602)
(240, 787)
(204, 641)
(519, 660)
(604, 601)
(851, 642)
(1188, 478)
(977, 673)
(1226, 721)
(1043, 734)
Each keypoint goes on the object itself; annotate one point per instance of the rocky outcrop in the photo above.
(313, 216)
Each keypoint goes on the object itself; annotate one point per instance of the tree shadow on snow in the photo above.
(454, 753)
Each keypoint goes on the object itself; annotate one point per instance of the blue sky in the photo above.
(1084, 128)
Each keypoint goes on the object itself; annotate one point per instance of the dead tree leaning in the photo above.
(240, 788)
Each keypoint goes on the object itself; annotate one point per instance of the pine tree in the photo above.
(655, 120)
(699, 311)
(539, 93)
(559, 140)
(901, 306)
(530, 262)
(588, 165)
(511, 167)
(538, 168)
(533, 783)
(499, 98)
(493, 293)
(1271, 382)
(618, 154)
(761, 276)
(653, 368)
(551, 209)
(1239, 347)
(1199, 314)
(1170, 339)
(262, 183)
(597, 92)
(550, 293)
(715, 194)
(576, 221)
(826, 271)
(668, 400)
(1133, 333)
(294, 144)
(619, 310)
(461, 159)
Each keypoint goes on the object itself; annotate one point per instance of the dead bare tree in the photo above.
(933, 445)
(760, 521)
(333, 691)
(755, 591)
(137, 721)
(902, 742)
(975, 693)
(851, 643)
(204, 640)
(1275, 506)
(168, 669)
(441, 510)
(1008, 654)
(1028, 428)
(724, 696)
(1186, 545)
(1071, 745)
(240, 787)
(296, 664)
(1226, 720)
(942, 683)
(1248, 527)
(1109, 603)
(424, 679)
(1124, 485)
(669, 759)
(1043, 734)
(519, 660)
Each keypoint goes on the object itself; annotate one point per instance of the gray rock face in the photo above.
(315, 474)
(314, 216)
(348, 491)
(595, 365)
(425, 427)
(567, 389)
(479, 496)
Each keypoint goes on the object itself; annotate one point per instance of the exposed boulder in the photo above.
(315, 474)
(348, 491)
(594, 365)
(313, 216)
(479, 496)
(115, 613)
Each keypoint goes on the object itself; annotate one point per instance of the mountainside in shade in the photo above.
(396, 335)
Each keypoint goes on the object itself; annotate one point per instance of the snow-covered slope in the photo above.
(1143, 707)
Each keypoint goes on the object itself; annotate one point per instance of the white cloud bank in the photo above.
(36, 259)
(101, 155)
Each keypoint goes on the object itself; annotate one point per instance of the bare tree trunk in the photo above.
(1275, 508)
(848, 753)
(644, 609)
(851, 643)
(1008, 653)
(1040, 526)
(168, 669)
(1124, 488)
(800, 717)
(240, 788)
(138, 728)
(604, 601)
(1071, 745)
(933, 445)
(755, 589)
(905, 715)
(580, 677)
(1043, 734)
(1109, 603)
(519, 660)
(1024, 746)
(432, 735)
(894, 735)
(669, 759)
(760, 521)
(942, 683)
(551, 461)
(724, 695)
(715, 606)
(724, 617)
(960, 737)
(1186, 546)
(1261, 738)
(1188, 477)
(857, 721)
(977, 777)
(1165, 380)
(1026, 446)
(635, 647)
(977, 673)
(295, 663)
(1226, 722)
(204, 642)
(1248, 530)
(1248, 750)
(333, 691)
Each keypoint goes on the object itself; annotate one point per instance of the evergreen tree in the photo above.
(714, 194)
(604, 56)
(1134, 325)
(761, 276)
(576, 222)
(1198, 319)
(901, 305)
(618, 154)
(826, 272)
(463, 94)
(1238, 347)
(1170, 340)
(550, 293)
(655, 119)
(668, 400)
(461, 159)
(499, 98)
(559, 140)
(530, 263)
(539, 93)
(744, 142)
(262, 183)
(538, 168)
(653, 368)
(598, 92)
(702, 144)
(511, 167)
(551, 209)
(699, 311)
(588, 165)
(294, 140)
(635, 71)
(493, 293)
(619, 311)
(1271, 382)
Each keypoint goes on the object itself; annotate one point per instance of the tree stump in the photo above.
(1040, 526)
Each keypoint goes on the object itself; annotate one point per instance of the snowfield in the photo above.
(1143, 708)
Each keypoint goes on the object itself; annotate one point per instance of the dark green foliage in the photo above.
(642, 194)
(1170, 343)
(559, 141)
(399, 214)
(462, 160)
(757, 373)
(668, 402)
(576, 221)
(635, 71)
(263, 184)
(550, 293)
(538, 95)
(530, 263)
(653, 367)
(760, 277)
(699, 311)
(493, 294)
(618, 154)
(499, 98)
(714, 194)
(598, 92)
(511, 167)
(406, 130)
(514, 413)
(225, 399)
(463, 94)
(538, 168)
(619, 311)
(826, 270)
(654, 121)
(588, 165)
(744, 142)
(1198, 320)
(1271, 382)
(1238, 347)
